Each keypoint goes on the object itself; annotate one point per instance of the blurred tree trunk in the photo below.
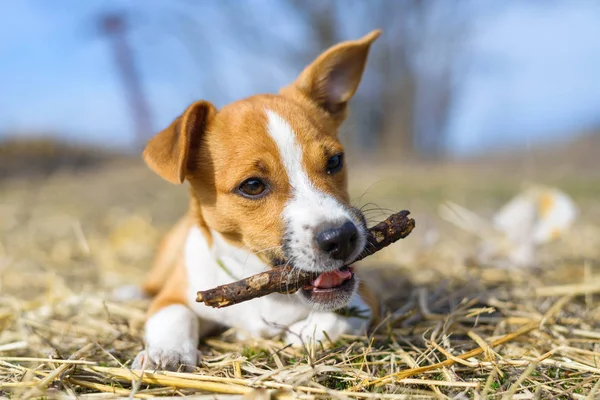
(403, 104)
(397, 94)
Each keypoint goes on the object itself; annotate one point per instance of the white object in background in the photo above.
(539, 214)
(536, 216)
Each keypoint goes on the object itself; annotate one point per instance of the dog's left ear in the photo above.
(168, 152)
(332, 79)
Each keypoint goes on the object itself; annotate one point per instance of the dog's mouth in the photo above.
(331, 280)
(331, 290)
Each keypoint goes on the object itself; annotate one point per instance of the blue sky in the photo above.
(532, 71)
(535, 75)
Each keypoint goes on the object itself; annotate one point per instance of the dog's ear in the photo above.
(168, 152)
(332, 79)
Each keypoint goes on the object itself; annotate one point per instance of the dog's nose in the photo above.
(339, 242)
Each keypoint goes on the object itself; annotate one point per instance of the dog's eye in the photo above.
(334, 164)
(252, 188)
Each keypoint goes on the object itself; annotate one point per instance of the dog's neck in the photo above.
(237, 262)
(195, 212)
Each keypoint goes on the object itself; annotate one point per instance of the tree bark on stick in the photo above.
(287, 279)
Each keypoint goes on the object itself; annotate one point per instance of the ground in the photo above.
(454, 328)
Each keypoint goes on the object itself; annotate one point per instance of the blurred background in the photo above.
(446, 79)
(462, 101)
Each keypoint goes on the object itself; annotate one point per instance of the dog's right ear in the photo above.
(332, 79)
(168, 152)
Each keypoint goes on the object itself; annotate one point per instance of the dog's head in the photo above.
(268, 172)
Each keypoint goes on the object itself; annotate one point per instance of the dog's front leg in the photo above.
(322, 325)
(172, 331)
(171, 339)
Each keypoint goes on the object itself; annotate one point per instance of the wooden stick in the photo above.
(286, 279)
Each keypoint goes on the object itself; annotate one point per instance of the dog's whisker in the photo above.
(378, 211)
(375, 207)
(287, 263)
(268, 248)
(367, 190)
(366, 250)
(362, 208)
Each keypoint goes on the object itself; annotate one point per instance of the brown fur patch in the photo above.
(237, 146)
(174, 290)
(216, 151)
(169, 253)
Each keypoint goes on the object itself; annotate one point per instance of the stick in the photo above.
(286, 279)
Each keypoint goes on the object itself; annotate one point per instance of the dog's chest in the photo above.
(209, 267)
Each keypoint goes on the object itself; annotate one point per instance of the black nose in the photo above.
(339, 242)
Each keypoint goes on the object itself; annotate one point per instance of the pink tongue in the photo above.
(331, 279)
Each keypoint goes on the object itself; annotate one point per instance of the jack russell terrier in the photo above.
(268, 185)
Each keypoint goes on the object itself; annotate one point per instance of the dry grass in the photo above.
(454, 330)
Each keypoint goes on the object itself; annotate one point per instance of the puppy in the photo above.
(268, 185)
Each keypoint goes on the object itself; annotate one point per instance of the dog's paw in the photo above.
(156, 358)
(293, 339)
(171, 340)
(322, 327)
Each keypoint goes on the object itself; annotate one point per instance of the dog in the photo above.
(268, 185)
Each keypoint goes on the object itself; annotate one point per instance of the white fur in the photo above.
(308, 208)
(173, 332)
(260, 317)
(266, 316)
(313, 328)
(171, 339)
